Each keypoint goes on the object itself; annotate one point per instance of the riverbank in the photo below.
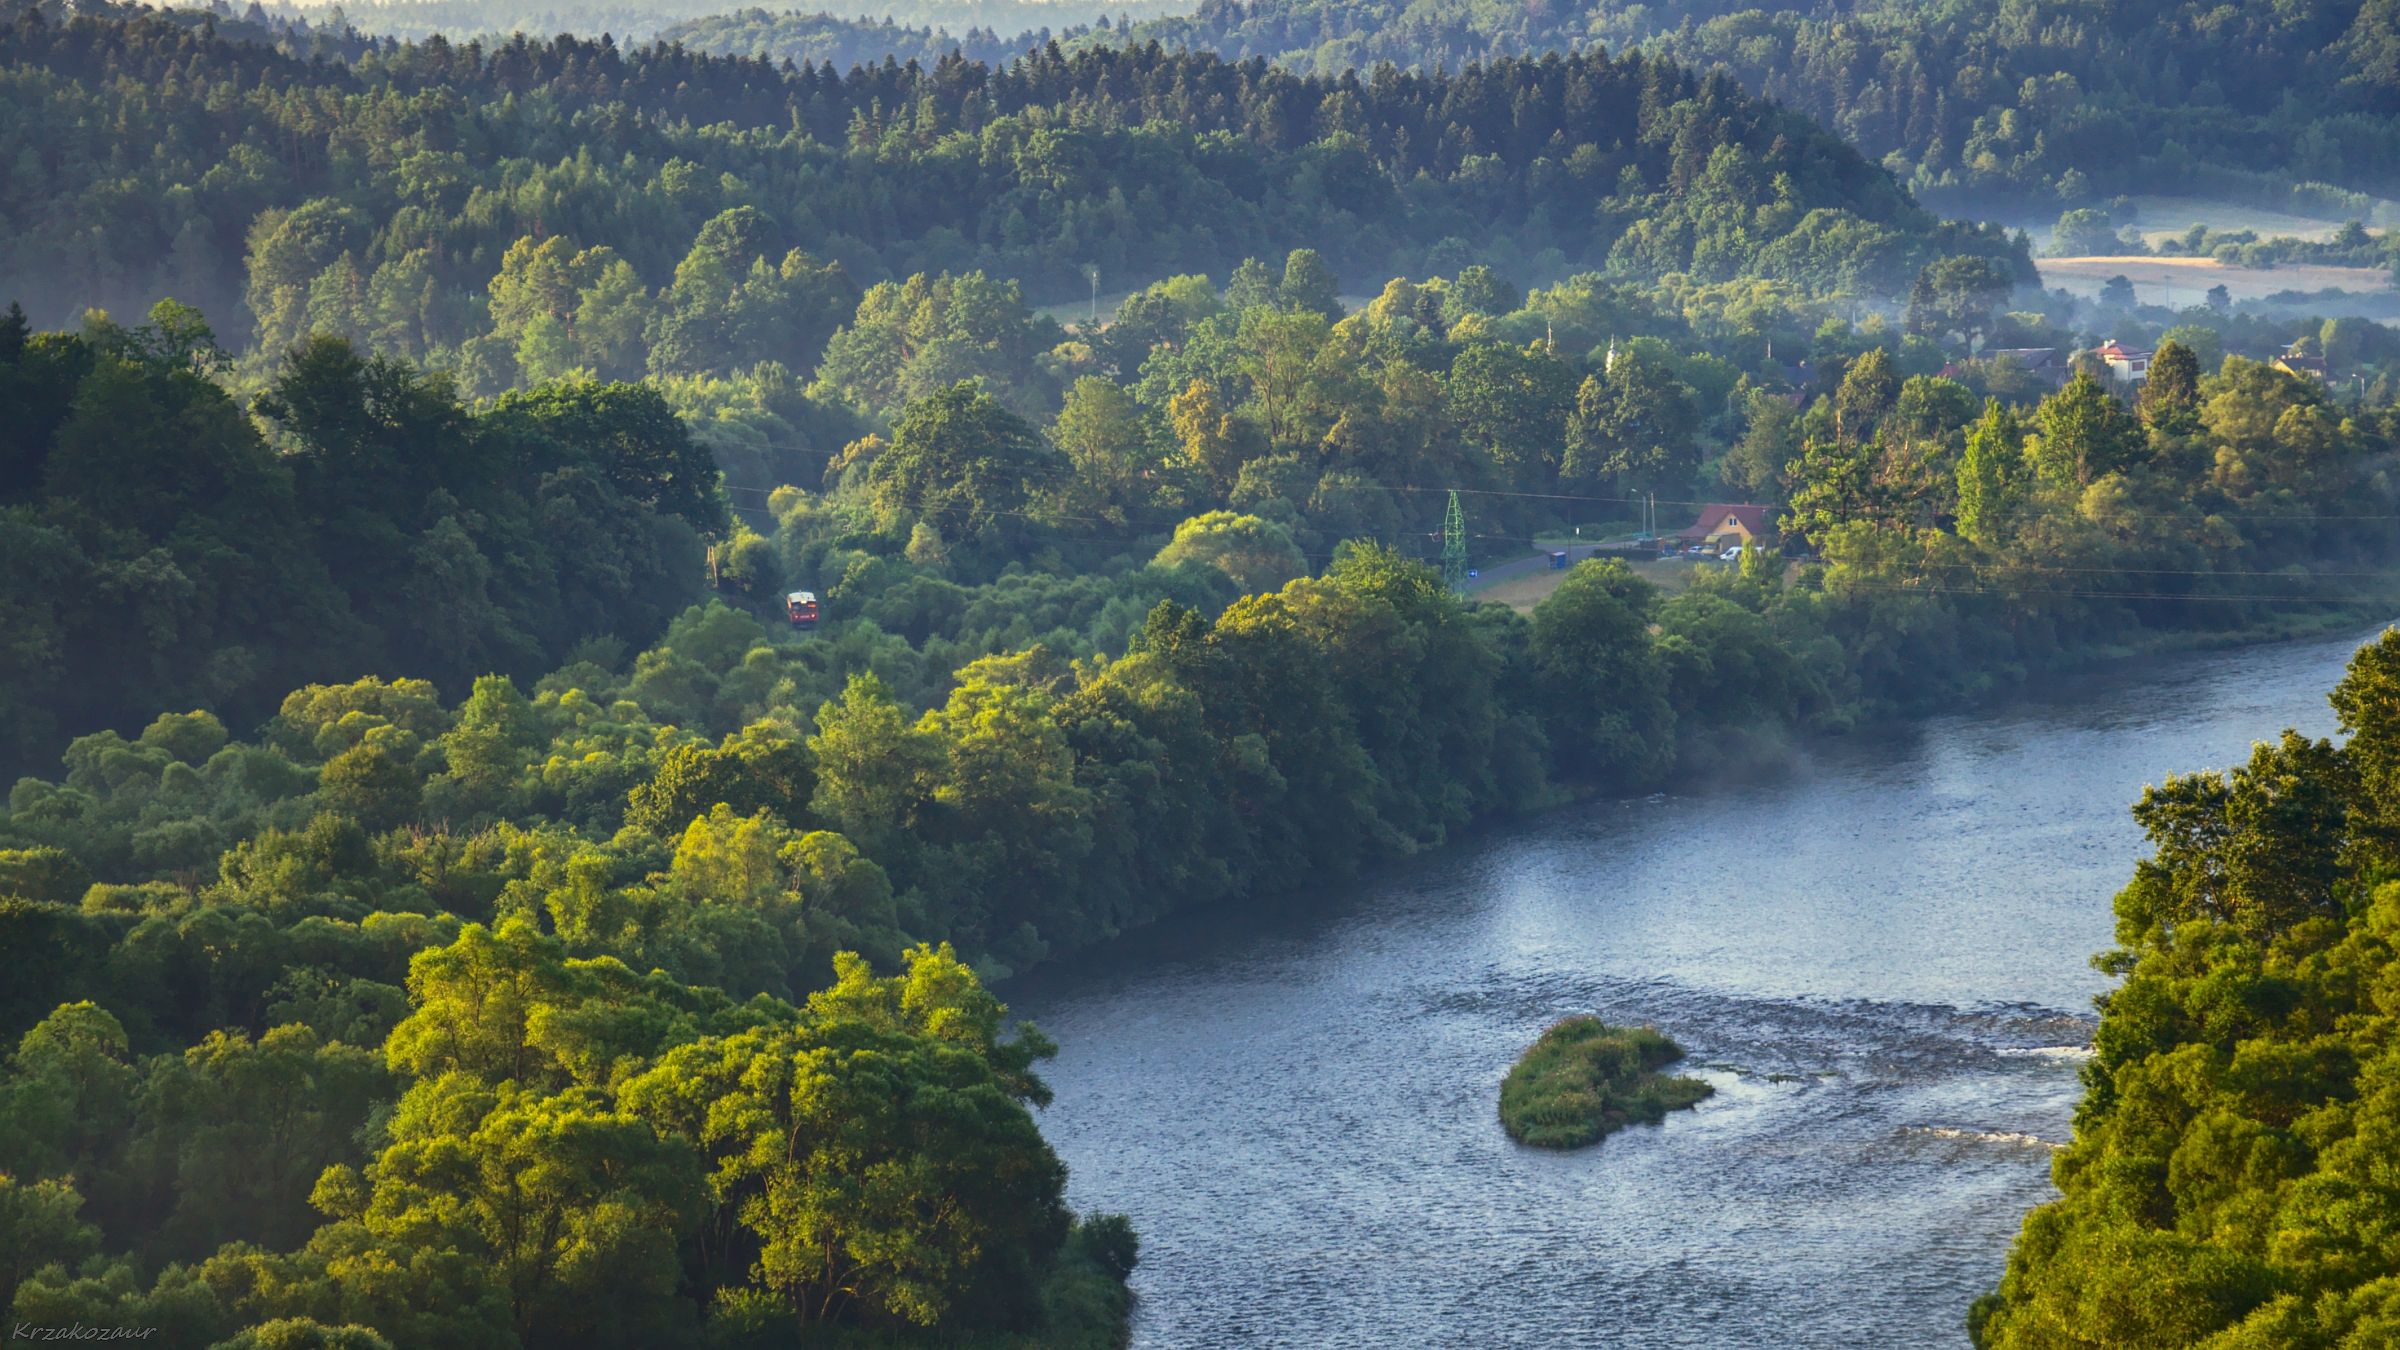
(2097, 658)
(1878, 960)
(1713, 754)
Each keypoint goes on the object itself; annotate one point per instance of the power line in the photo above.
(1025, 479)
(2177, 596)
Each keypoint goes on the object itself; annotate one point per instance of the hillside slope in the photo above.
(264, 173)
(1977, 104)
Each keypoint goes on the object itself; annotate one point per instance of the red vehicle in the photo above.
(802, 606)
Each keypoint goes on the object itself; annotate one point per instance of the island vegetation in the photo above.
(1585, 1080)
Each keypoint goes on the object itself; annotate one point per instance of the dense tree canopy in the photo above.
(2225, 1186)
(460, 922)
(1981, 104)
(162, 551)
(532, 208)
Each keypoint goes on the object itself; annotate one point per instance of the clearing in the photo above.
(1521, 593)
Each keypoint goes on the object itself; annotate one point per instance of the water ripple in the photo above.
(1878, 961)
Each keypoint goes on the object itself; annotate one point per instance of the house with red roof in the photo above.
(2130, 365)
(1724, 524)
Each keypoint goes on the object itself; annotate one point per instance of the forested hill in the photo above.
(151, 158)
(794, 36)
(641, 20)
(1978, 104)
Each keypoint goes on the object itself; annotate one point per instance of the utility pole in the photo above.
(1454, 548)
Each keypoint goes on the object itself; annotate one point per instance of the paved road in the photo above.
(1494, 575)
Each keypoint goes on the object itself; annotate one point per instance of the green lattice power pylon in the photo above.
(1454, 548)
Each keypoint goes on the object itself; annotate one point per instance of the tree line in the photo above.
(395, 185)
(2226, 1180)
(1985, 106)
(382, 1070)
(1258, 419)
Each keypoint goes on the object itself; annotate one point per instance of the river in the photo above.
(1879, 959)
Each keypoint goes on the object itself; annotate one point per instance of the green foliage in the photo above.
(731, 306)
(2171, 396)
(756, 770)
(438, 188)
(1584, 1080)
(963, 463)
(2085, 233)
(1634, 422)
(304, 1333)
(577, 1003)
(38, 1226)
(400, 528)
(2086, 434)
(1258, 554)
(913, 341)
(1605, 681)
(1309, 286)
(1992, 477)
(1515, 404)
(2221, 1187)
(877, 1149)
(572, 1148)
(1958, 294)
(629, 436)
(45, 875)
(570, 1206)
(1978, 104)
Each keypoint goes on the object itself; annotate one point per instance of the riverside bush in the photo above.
(2230, 1179)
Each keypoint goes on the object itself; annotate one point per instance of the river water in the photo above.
(1879, 960)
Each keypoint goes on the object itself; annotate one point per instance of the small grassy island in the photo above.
(1585, 1078)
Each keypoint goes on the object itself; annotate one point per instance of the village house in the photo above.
(2044, 364)
(2314, 367)
(1798, 377)
(2130, 365)
(1725, 525)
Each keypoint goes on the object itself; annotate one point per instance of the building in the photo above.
(2130, 365)
(2044, 364)
(1725, 524)
(1797, 378)
(2312, 366)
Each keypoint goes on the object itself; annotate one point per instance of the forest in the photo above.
(449, 905)
(1978, 106)
(410, 912)
(822, 39)
(876, 30)
(2228, 1183)
(390, 190)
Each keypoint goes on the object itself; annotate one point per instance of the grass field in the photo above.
(2182, 282)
